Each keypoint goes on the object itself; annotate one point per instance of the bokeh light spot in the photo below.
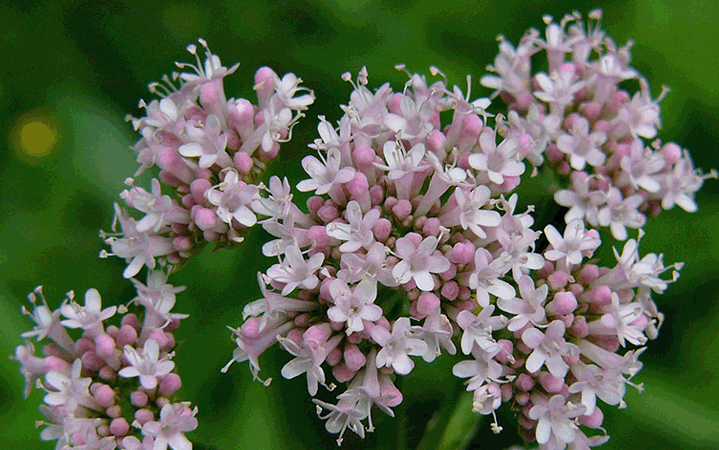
(34, 136)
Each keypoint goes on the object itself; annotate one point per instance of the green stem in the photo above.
(453, 426)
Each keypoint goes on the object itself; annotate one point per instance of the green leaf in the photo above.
(453, 426)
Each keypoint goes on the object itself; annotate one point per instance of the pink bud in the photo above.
(553, 153)
(302, 320)
(394, 104)
(334, 357)
(509, 183)
(376, 195)
(402, 209)
(91, 361)
(182, 243)
(328, 213)
(463, 162)
(449, 273)
(524, 382)
(427, 303)
(104, 396)
(450, 290)
(506, 350)
(436, 141)
(563, 303)
(672, 152)
(579, 328)
(522, 398)
(84, 345)
(462, 253)
(358, 186)
(550, 383)
(431, 227)
(620, 98)
(342, 373)
(114, 411)
(382, 229)
(208, 95)
(107, 373)
(143, 416)
(159, 336)
(558, 280)
(522, 347)
(51, 349)
(138, 399)
(601, 295)
(602, 126)
(318, 333)
(271, 153)
(264, 84)
(471, 126)
(507, 392)
(206, 219)
(569, 121)
(119, 427)
(465, 293)
(251, 328)
(593, 420)
(314, 203)
(588, 274)
(132, 320)
(318, 234)
(354, 358)
(51, 363)
(198, 189)
(610, 343)
(104, 345)
(169, 384)
(363, 157)
(563, 168)
(241, 113)
(576, 289)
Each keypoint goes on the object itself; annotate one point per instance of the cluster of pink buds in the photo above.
(111, 386)
(408, 231)
(590, 128)
(211, 152)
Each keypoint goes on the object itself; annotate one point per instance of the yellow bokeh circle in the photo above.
(34, 135)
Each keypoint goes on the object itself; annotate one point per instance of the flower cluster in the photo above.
(411, 244)
(112, 387)
(562, 344)
(407, 232)
(590, 127)
(211, 153)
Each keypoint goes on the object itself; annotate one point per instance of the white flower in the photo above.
(233, 198)
(69, 391)
(294, 271)
(397, 346)
(148, 365)
(175, 420)
(553, 418)
(418, 262)
(354, 306)
(89, 317)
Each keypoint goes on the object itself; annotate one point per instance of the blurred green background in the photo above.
(71, 70)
